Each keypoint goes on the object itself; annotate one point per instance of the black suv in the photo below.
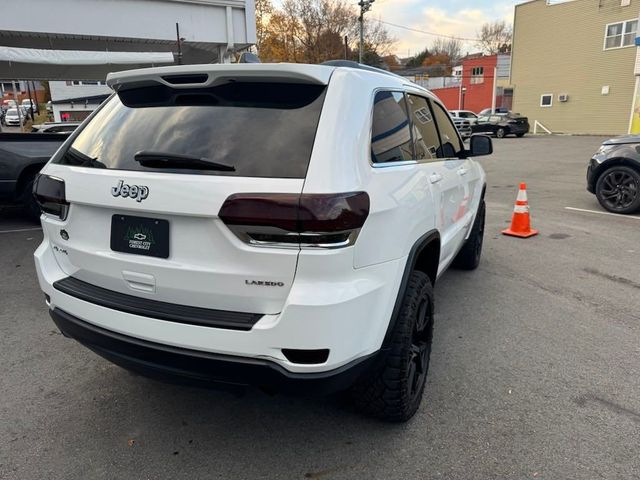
(614, 174)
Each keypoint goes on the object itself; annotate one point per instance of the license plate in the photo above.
(140, 236)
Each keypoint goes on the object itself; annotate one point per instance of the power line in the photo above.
(452, 37)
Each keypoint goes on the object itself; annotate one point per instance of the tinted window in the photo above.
(391, 135)
(425, 134)
(262, 129)
(451, 145)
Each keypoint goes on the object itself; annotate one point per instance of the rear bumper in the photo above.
(519, 128)
(346, 313)
(180, 365)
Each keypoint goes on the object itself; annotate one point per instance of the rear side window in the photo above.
(425, 134)
(391, 132)
(450, 143)
(261, 129)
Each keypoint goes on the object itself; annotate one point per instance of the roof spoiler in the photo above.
(202, 76)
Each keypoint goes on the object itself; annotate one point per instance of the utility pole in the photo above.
(179, 40)
(365, 6)
(494, 93)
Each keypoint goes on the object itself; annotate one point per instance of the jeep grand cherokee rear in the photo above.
(274, 225)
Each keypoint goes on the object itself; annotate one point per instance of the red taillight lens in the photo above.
(50, 195)
(315, 220)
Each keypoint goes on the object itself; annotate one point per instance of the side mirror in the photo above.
(480, 145)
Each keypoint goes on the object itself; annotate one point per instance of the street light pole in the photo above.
(365, 6)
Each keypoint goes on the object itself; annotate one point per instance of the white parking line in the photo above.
(601, 213)
(21, 230)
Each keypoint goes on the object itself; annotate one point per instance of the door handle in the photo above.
(463, 171)
(435, 178)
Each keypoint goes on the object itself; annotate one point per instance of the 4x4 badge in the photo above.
(139, 192)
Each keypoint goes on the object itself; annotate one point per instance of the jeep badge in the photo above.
(139, 192)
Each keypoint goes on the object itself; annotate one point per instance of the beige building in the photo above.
(573, 64)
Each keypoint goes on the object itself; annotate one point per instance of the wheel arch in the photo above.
(423, 256)
(614, 162)
(25, 177)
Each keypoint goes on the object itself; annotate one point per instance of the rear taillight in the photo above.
(50, 195)
(308, 220)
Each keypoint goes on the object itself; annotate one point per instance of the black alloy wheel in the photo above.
(420, 350)
(618, 190)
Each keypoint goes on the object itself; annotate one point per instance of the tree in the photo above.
(418, 59)
(495, 37)
(439, 65)
(448, 47)
(264, 9)
(392, 62)
(313, 31)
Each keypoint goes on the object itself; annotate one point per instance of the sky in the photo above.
(461, 18)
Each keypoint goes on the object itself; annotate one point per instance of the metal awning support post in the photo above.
(15, 97)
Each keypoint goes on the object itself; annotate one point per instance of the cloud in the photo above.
(460, 18)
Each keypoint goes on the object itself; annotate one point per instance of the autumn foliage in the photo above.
(314, 31)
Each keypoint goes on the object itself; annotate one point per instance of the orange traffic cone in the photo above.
(520, 222)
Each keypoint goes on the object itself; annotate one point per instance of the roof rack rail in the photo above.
(360, 66)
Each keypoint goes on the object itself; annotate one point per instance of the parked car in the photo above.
(27, 104)
(7, 104)
(22, 155)
(613, 174)
(487, 111)
(209, 255)
(502, 125)
(466, 114)
(464, 126)
(12, 117)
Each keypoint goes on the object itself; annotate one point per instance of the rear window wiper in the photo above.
(77, 158)
(151, 159)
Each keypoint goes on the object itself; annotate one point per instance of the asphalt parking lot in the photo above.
(534, 371)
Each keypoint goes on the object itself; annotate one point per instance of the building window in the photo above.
(621, 34)
(85, 82)
(477, 75)
(546, 100)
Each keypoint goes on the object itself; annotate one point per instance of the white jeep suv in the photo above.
(272, 225)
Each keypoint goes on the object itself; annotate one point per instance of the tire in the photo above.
(468, 257)
(618, 189)
(520, 135)
(31, 207)
(501, 133)
(392, 390)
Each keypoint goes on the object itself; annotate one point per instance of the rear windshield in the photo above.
(261, 129)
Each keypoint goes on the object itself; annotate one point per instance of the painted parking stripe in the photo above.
(601, 213)
(21, 230)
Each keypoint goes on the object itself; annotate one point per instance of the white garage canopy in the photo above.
(77, 57)
(36, 64)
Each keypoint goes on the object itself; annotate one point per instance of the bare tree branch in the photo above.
(495, 37)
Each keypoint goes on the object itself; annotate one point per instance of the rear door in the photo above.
(151, 228)
(459, 185)
(483, 125)
(440, 169)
